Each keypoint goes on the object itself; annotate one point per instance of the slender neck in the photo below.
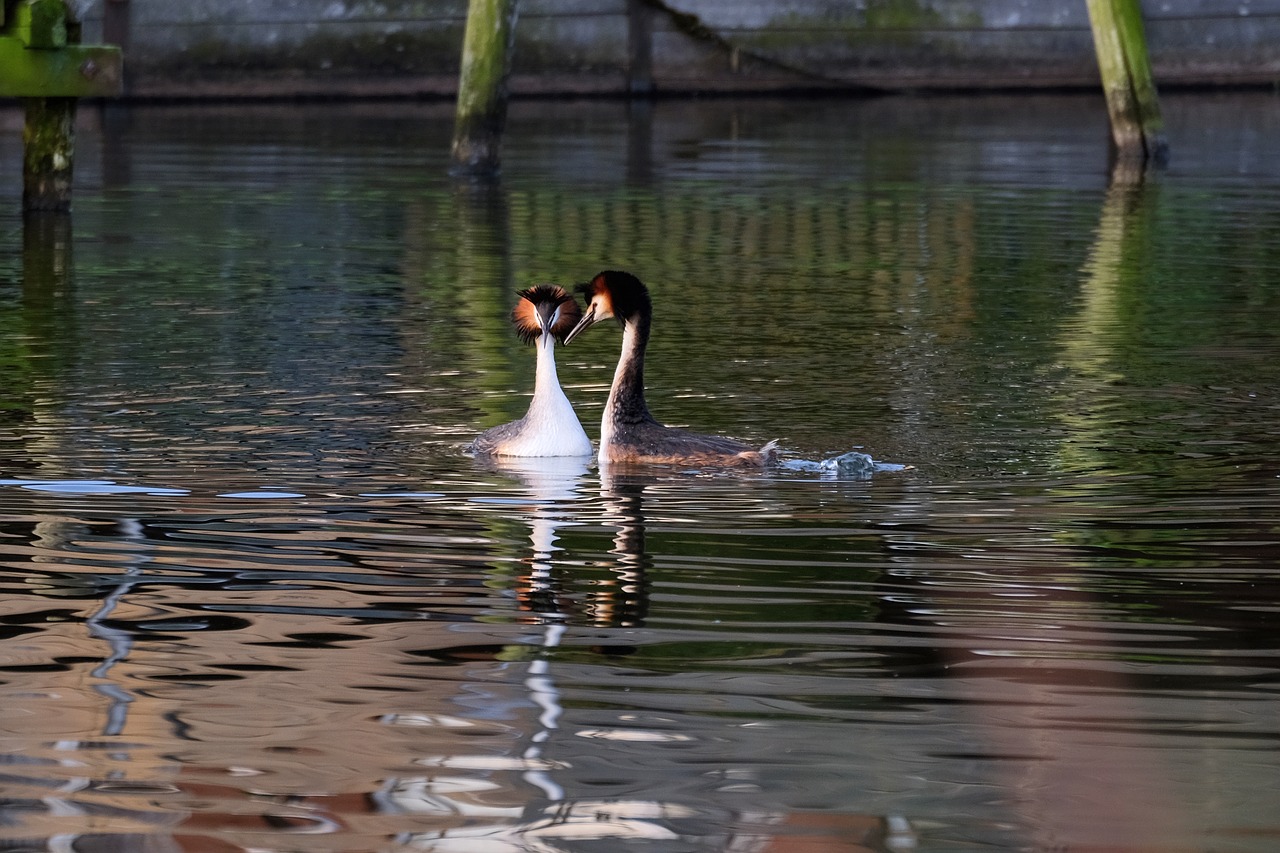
(546, 383)
(626, 396)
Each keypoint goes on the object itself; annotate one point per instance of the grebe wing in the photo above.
(655, 443)
(492, 440)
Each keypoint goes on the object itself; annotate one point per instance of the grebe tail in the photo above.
(550, 427)
(628, 432)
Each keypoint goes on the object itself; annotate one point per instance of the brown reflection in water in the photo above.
(245, 730)
(287, 718)
(1076, 778)
(1090, 785)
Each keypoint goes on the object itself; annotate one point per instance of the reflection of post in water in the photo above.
(485, 284)
(46, 256)
(40, 318)
(1089, 341)
(47, 278)
(639, 141)
(1045, 695)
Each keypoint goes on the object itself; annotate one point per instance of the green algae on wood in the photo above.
(40, 55)
(39, 24)
(1121, 46)
(42, 63)
(74, 71)
(482, 85)
(48, 153)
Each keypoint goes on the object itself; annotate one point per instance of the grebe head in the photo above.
(612, 293)
(545, 307)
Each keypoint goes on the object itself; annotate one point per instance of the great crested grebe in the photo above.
(628, 433)
(550, 427)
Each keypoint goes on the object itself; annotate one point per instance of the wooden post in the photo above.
(48, 153)
(115, 23)
(49, 128)
(46, 260)
(117, 29)
(43, 63)
(482, 85)
(1121, 46)
(639, 47)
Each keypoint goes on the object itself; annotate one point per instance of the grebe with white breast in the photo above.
(550, 427)
(628, 432)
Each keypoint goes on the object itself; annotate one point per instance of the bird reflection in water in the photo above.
(553, 759)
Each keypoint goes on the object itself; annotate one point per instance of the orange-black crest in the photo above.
(617, 294)
(544, 305)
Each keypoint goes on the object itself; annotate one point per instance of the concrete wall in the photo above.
(410, 47)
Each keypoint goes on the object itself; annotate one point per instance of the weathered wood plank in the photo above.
(74, 71)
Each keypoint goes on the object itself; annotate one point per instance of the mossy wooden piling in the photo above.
(640, 16)
(1120, 42)
(43, 63)
(48, 153)
(482, 85)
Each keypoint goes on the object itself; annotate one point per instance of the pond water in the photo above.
(256, 599)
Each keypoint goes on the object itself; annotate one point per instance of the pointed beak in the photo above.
(547, 316)
(588, 319)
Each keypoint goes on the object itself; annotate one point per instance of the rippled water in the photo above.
(255, 598)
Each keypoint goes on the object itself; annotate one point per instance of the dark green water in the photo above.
(255, 598)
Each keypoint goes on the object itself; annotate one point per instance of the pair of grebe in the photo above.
(628, 432)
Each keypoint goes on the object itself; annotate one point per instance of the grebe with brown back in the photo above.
(628, 432)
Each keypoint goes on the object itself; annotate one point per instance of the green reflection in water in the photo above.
(958, 323)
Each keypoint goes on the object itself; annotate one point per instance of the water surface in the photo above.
(255, 597)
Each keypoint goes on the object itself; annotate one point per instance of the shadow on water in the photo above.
(253, 592)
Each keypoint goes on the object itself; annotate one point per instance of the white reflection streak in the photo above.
(550, 482)
(120, 642)
(546, 696)
(55, 536)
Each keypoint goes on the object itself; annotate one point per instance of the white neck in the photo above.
(625, 360)
(546, 382)
(552, 427)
